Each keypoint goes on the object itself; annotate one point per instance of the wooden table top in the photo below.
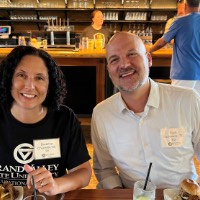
(94, 194)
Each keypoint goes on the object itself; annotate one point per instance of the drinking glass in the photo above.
(90, 44)
(140, 194)
(44, 43)
(77, 42)
(38, 197)
(99, 44)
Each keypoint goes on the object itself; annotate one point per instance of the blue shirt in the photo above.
(185, 31)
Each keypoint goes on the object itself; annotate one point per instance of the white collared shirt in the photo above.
(167, 134)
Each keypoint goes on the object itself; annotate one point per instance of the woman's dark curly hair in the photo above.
(57, 85)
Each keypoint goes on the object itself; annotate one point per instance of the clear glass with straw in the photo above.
(38, 197)
(35, 196)
(144, 189)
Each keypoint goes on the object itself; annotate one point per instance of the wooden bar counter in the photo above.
(161, 57)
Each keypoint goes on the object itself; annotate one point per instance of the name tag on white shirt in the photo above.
(173, 137)
(47, 148)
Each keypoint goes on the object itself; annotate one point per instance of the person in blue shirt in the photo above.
(185, 30)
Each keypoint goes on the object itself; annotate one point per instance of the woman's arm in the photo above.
(76, 178)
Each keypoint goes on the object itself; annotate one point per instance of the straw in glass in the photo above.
(34, 189)
(147, 177)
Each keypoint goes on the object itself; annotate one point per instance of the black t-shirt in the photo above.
(17, 144)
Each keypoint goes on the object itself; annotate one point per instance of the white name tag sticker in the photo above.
(173, 137)
(47, 148)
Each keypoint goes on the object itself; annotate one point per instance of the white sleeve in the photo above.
(104, 167)
(196, 120)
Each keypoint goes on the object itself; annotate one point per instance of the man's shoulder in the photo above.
(108, 103)
(182, 19)
(178, 91)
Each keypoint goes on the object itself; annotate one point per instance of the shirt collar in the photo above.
(154, 95)
(153, 100)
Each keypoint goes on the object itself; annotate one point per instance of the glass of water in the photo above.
(140, 194)
(38, 197)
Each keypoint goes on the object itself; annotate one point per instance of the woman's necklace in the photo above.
(28, 116)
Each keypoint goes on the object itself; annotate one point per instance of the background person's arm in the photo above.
(158, 45)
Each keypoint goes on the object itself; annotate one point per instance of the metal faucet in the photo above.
(68, 32)
(52, 37)
(52, 33)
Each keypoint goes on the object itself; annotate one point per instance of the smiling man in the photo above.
(144, 122)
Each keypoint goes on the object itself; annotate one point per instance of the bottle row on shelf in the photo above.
(32, 17)
(80, 4)
(146, 34)
(87, 4)
(136, 16)
(111, 15)
(7, 4)
(128, 16)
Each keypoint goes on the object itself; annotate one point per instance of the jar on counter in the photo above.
(21, 41)
(84, 43)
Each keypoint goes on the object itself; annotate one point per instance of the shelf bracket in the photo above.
(9, 12)
(122, 2)
(38, 14)
(12, 26)
(66, 2)
(38, 26)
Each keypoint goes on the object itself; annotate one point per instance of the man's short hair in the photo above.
(193, 3)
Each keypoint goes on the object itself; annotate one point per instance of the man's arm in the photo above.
(103, 164)
(158, 45)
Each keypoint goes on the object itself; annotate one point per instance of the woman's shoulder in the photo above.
(3, 108)
(66, 114)
(87, 28)
(63, 109)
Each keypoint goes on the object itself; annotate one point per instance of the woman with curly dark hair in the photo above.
(40, 137)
